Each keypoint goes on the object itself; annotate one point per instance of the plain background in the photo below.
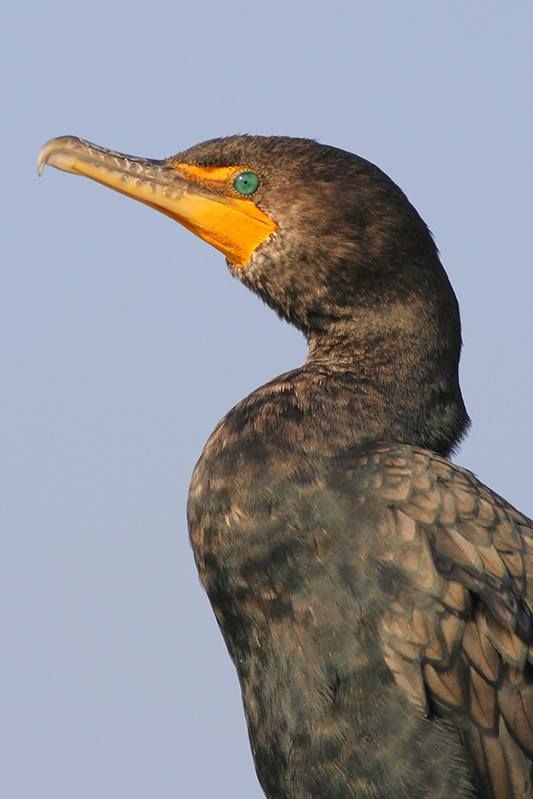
(124, 340)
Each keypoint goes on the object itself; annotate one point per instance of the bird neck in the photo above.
(391, 376)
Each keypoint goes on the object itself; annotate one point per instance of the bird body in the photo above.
(339, 577)
(374, 597)
(302, 613)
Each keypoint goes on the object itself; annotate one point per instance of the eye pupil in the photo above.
(246, 183)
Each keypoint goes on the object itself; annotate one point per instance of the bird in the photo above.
(375, 597)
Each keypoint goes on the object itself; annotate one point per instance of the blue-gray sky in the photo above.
(124, 340)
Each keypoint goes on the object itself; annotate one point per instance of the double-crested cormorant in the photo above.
(374, 597)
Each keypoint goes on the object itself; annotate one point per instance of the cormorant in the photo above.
(375, 598)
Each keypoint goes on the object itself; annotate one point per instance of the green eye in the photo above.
(246, 183)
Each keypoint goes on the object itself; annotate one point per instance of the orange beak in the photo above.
(201, 199)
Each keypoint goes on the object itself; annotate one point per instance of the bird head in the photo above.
(316, 231)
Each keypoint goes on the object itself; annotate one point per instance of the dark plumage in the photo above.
(374, 597)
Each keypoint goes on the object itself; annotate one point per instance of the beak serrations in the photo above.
(62, 152)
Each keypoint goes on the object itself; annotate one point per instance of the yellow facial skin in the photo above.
(202, 199)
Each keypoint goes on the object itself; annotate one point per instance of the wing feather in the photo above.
(456, 571)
